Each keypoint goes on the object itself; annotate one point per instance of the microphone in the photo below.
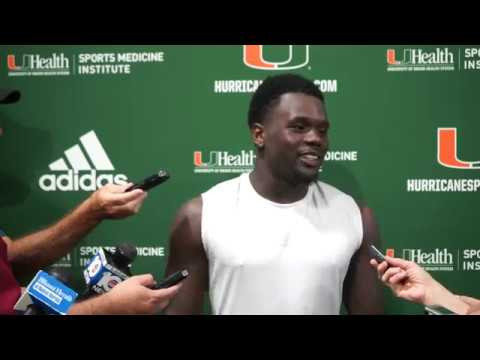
(46, 295)
(61, 274)
(107, 269)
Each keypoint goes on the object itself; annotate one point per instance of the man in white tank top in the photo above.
(277, 240)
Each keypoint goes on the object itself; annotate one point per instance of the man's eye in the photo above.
(298, 127)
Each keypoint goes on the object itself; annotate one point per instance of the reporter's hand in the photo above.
(407, 280)
(473, 305)
(112, 202)
(133, 296)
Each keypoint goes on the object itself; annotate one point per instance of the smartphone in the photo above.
(171, 280)
(376, 254)
(150, 181)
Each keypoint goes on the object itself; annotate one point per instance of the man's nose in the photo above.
(315, 137)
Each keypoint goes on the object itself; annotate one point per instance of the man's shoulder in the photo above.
(224, 187)
(192, 208)
(330, 189)
(333, 193)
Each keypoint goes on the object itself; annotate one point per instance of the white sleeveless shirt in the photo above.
(269, 258)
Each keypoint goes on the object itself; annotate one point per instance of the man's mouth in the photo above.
(311, 159)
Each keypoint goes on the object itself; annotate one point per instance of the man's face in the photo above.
(295, 138)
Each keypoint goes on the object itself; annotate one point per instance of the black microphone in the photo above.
(61, 274)
(107, 269)
(124, 256)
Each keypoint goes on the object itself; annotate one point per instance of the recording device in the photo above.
(46, 295)
(150, 181)
(376, 254)
(107, 269)
(171, 280)
(9, 96)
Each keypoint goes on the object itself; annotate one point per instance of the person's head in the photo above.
(288, 124)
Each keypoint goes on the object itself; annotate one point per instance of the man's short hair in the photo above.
(269, 92)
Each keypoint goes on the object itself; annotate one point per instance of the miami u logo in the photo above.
(297, 57)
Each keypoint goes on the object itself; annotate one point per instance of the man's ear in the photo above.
(257, 133)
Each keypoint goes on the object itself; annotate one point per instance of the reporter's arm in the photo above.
(409, 281)
(472, 302)
(44, 247)
(441, 296)
(131, 297)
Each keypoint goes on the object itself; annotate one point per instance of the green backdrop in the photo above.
(153, 107)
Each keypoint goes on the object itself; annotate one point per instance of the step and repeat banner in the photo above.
(404, 124)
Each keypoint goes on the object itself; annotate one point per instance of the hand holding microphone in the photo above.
(47, 294)
(107, 269)
(137, 295)
(134, 296)
(108, 275)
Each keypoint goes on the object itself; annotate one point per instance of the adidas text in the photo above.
(72, 181)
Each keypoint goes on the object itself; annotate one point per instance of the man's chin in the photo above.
(307, 175)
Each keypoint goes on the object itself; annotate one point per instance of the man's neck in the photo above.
(276, 190)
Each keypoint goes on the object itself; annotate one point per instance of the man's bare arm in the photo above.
(187, 252)
(362, 293)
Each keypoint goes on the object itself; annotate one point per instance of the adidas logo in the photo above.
(76, 156)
